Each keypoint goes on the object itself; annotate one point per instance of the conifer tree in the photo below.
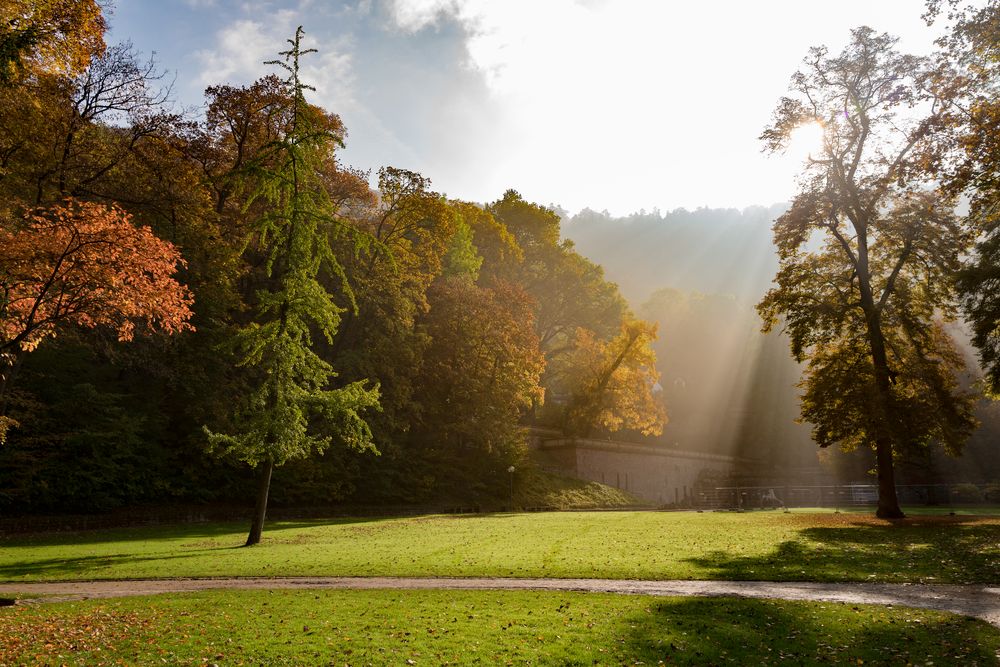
(292, 411)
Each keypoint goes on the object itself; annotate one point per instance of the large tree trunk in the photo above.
(888, 503)
(257, 526)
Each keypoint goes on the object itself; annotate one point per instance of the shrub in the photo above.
(966, 493)
(992, 492)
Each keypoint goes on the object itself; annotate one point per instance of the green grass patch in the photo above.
(622, 545)
(461, 627)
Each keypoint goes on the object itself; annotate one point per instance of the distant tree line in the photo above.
(878, 268)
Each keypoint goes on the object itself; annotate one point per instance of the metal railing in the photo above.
(836, 495)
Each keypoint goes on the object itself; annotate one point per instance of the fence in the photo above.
(837, 495)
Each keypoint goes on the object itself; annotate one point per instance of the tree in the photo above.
(867, 257)
(479, 373)
(291, 411)
(70, 136)
(410, 226)
(972, 53)
(570, 291)
(83, 264)
(54, 36)
(614, 383)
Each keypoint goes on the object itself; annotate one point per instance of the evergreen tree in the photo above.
(292, 411)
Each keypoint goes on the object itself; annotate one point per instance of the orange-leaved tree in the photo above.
(614, 383)
(85, 264)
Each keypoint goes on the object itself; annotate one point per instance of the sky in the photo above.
(617, 105)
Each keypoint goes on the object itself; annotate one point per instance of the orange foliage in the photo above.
(615, 382)
(86, 264)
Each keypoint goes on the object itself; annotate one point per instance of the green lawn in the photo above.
(630, 545)
(490, 628)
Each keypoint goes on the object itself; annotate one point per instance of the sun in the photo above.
(806, 140)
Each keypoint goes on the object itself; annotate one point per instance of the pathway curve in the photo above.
(978, 601)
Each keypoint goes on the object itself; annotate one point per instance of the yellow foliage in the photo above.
(52, 36)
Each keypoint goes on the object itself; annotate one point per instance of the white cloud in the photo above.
(414, 15)
(242, 47)
(631, 103)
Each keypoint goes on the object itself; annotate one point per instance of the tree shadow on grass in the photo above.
(185, 531)
(82, 567)
(701, 631)
(959, 552)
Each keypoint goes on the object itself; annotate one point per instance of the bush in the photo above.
(966, 493)
(992, 492)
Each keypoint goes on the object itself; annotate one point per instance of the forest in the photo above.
(192, 301)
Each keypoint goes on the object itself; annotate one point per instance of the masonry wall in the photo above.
(652, 473)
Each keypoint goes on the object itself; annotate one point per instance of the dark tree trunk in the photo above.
(888, 503)
(264, 485)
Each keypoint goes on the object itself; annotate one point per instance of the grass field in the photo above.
(490, 628)
(818, 546)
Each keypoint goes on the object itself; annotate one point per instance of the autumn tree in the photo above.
(280, 418)
(240, 122)
(84, 264)
(867, 257)
(480, 372)
(410, 226)
(971, 57)
(48, 36)
(569, 291)
(613, 383)
(73, 136)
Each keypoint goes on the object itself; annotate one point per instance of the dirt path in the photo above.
(969, 600)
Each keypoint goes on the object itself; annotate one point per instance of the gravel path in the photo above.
(969, 600)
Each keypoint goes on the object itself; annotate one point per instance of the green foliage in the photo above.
(292, 233)
(480, 371)
(325, 312)
(537, 488)
(979, 283)
(462, 258)
(970, 74)
(571, 296)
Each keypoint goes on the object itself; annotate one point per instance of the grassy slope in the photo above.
(640, 545)
(544, 489)
(449, 627)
